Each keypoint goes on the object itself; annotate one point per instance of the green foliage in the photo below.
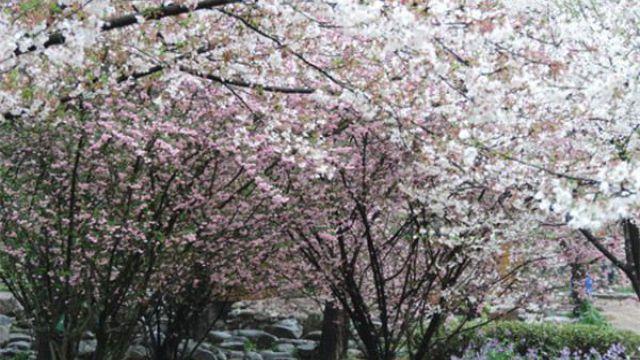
(250, 346)
(500, 355)
(589, 315)
(21, 356)
(550, 339)
(30, 5)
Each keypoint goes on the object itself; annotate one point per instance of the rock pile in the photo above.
(273, 329)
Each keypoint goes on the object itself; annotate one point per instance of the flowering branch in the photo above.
(246, 84)
(135, 18)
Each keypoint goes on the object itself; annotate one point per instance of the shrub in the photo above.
(549, 339)
(589, 315)
(494, 350)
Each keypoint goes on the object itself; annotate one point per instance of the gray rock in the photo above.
(314, 335)
(136, 352)
(271, 355)
(261, 339)
(86, 348)
(232, 345)
(250, 355)
(4, 334)
(6, 320)
(202, 351)
(285, 348)
(295, 342)
(287, 328)
(19, 345)
(205, 354)
(235, 355)
(216, 337)
(246, 314)
(237, 338)
(220, 355)
(15, 337)
(10, 353)
(307, 350)
(9, 305)
(354, 354)
(313, 322)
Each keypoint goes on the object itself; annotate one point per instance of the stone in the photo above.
(6, 320)
(15, 337)
(219, 354)
(235, 355)
(272, 355)
(287, 328)
(9, 353)
(232, 345)
(205, 354)
(246, 314)
(265, 317)
(307, 351)
(314, 335)
(203, 351)
(19, 345)
(86, 348)
(295, 342)
(250, 355)
(4, 334)
(313, 322)
(285, 348)
(136, 352)
(9, 305)
(354, 354)
(216, 337)
(261, 339)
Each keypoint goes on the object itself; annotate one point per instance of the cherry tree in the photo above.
(97, 206)
(372, 134)
(562, 89)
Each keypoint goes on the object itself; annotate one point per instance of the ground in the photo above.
(622, 314)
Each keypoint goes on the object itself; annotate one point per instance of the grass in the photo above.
(624, 289)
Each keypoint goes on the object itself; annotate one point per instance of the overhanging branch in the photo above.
(603, 249)
(130, 19)
(246, 84)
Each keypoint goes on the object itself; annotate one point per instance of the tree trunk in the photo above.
(631, 263)
(577, 282)
(334, 339)
(43, 346)
(632, 253)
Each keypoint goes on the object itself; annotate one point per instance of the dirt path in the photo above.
(623, 314)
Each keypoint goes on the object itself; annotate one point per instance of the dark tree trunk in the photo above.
(578, 275)
(334, 339)
(43, 346)
(630, 265)
(426, 344)
(632, 254)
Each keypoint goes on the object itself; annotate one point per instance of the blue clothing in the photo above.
(588, 285)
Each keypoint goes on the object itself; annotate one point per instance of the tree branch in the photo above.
(130, 19)
(246, 84)
(598, 244)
